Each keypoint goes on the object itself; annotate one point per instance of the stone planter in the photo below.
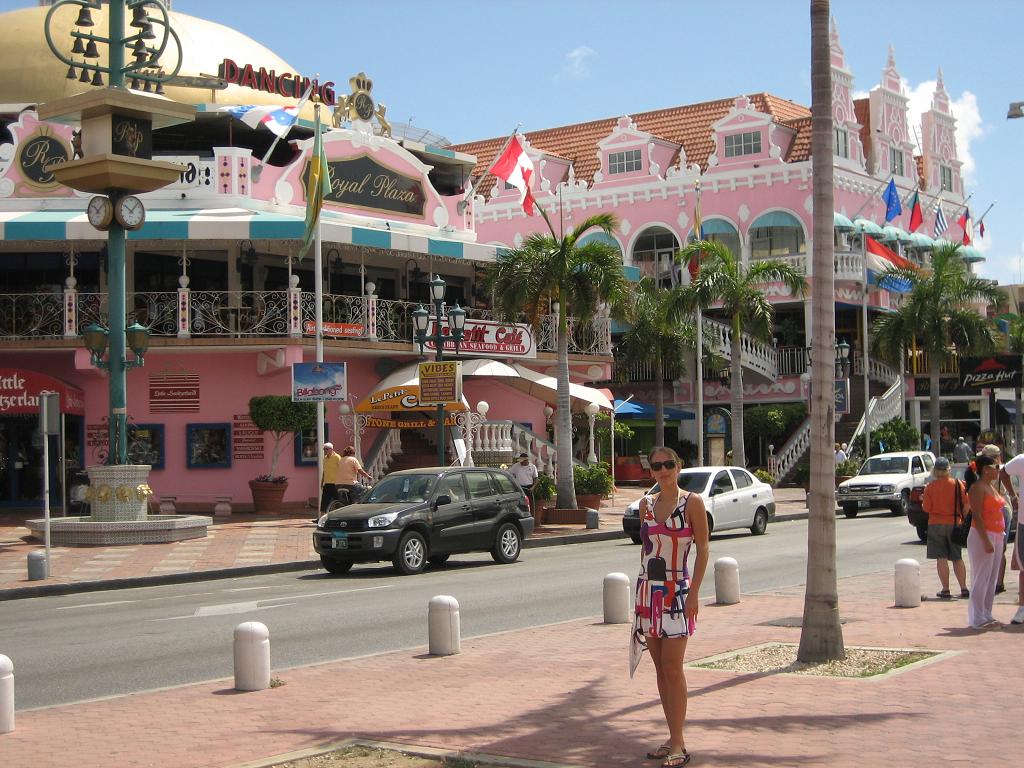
(267, 497)
(589, 500)
(118, 493)
(565, 516)
(540, 512)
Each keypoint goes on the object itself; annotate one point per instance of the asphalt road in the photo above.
(77, 647)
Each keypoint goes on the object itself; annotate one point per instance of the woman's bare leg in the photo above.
(672, 686)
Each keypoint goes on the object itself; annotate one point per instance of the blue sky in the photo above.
(470, 69)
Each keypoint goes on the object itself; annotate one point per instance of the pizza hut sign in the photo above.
(486, 338)
(993, 371)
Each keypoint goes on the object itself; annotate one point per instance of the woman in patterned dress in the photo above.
(667, 595)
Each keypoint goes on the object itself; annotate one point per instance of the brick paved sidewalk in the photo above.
(562, 693)
(238, 541)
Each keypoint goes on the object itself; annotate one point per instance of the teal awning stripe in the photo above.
(717, 227)
(269, 226)
(371, 237)
(39, 225)
(162, 228)
(631, 273)
(452, 248)
(776, 219)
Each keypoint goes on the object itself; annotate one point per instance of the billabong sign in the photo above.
(993, 371)
(312, 382)
(485, 338)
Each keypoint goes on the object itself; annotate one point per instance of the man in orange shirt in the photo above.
(945, 499)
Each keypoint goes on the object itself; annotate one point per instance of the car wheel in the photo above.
(901, 506)
(438, 561)
(850, 510)
(636, 538)
(922, 532)
(711, 523)
(335, 566)
(507, 544)
(760, 522)
(411, 555)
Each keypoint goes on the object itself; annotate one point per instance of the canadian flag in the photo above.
(515, 168)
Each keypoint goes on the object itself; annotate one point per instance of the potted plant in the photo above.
(592, 482)
(846, 469)
(283, 418)
(544, 495)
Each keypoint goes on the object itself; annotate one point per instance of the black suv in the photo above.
(420, 516)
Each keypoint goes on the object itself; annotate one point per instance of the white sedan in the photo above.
(733, 497)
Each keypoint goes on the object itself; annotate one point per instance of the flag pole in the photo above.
(318, 288)
(461, 207)
(874, 195)
(257, 170)
(700, 349)
(982, 217)
(864, 355)
(961, 207)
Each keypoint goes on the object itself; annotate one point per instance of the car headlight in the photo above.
(382, 521)
(844, 489)
(322, 521)
(632, 511)
(886, 488)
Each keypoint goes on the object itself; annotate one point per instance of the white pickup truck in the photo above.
(885, 480)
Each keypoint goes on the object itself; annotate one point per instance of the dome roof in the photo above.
(31, 74)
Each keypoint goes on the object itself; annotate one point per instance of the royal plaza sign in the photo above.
(486, 338)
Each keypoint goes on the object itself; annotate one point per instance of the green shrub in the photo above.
(849, 467)
(592, 479)
(894, 435)
(764, 476)
(281, 417)
(544, 488)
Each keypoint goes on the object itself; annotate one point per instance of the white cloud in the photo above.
(577, 63)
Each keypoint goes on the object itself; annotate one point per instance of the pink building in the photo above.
(749, 156)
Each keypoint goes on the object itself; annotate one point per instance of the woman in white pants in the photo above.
(984, 543)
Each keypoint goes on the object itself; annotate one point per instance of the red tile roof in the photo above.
(688, 125)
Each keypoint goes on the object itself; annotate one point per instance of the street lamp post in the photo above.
(456, 325)
(592, 409)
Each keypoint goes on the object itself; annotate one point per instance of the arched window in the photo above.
(720, 231)
(776, 234)
(654, 253)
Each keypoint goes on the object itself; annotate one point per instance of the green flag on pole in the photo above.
(318, 184)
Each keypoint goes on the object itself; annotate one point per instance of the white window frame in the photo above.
(945, 178)
(896, 161)
(842, 143)
(626, 161)
(740, 144)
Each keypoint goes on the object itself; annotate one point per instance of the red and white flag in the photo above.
(515, 168)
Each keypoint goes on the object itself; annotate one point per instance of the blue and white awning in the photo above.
(232, 224)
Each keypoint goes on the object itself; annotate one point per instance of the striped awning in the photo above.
(234, 224)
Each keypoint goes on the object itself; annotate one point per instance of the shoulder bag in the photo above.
(961, 522)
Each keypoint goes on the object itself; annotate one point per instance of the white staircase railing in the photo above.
(755, 355)
(390, 447)
(879, 410)
(878, 371)
(781, 462)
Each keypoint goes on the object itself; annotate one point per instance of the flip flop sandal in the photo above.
(677, 760)
(944, 595)
(965, 592)
(660, 753)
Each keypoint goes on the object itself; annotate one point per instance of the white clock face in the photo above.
(130, 212)
(100, 212)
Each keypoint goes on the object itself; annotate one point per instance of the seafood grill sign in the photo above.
(362, 182)
(994, 371)
(485, 338)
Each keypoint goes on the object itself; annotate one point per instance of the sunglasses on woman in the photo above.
(667, 464)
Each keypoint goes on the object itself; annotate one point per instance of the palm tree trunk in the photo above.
(934, 403)
(566, 490)
(659, 402)
(821, 635)
(739, 455)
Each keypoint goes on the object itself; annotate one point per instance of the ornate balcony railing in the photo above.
(185, 313)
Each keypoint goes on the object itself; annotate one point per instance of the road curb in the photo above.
(55, 590)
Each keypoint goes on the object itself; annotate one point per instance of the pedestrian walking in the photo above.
(667, 595)
(961, 451)
(350, 471)
(945, 500)
(329, 480)
(971, 474)
(840, 453)
(983, 541)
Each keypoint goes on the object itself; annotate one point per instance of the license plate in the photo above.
(863, 503)
(339, 544)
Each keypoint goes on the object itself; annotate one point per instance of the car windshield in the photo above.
(689, 481)
(885, 465)
(397, 488)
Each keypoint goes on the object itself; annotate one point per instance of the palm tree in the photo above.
(545, 269)
(821, 634)
(724, 279)
(657, 334)
(1015, 339)
(936, 316)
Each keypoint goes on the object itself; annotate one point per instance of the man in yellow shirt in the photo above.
(329, 481)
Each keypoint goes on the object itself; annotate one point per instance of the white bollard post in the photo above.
(908, 583)
(443, 626)
(6, 694)
(727, 581)
(616, 598)
(252, 656)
